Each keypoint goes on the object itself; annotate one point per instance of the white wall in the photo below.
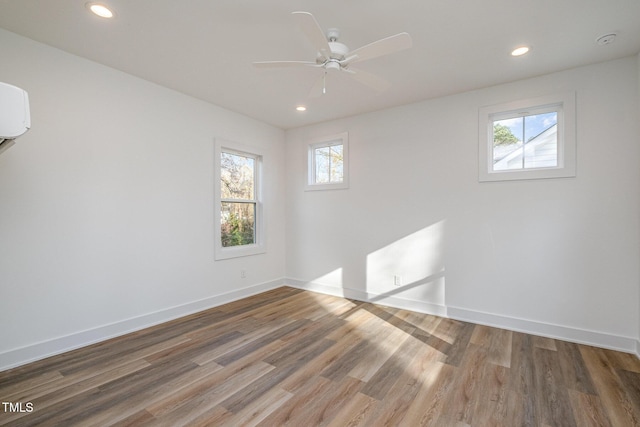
(638, 101)
(556, 257)
(106, 205)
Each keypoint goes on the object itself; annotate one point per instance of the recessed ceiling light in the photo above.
(301, 108)
(100, 10)
(519, 51)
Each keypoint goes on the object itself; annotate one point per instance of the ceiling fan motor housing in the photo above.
(338, 52)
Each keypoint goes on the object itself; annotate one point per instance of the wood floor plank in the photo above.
(316, 404)
(619, 406)
(588, 410)
(388, 342)
(496, 341)
(355, 412)
(522, 385)
(393, 369)
(465, 389)
(630, 381)
(327, 406)
(55, 393)
(341, 367)
(19, 390)
(204, 397)
(327, 304)
(553, 403)
(256, 344)
(574, 371)
(136, 419)
(235, 345)
(544, 342)
(625, 361)
(216, 416)
(239, 400)
(140, 396)
(458, 348)
(210, 391)
(426, 407)
(412, 365)
(292, 357)
(492, 399)
(321, 363)
(260, 408)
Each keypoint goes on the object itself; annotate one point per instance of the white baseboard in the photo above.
(638, 348)
(576, 335)
(359, 295)
(20, 356)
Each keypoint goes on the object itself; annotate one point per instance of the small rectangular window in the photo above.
(238, 202)
(327, 163)
(528, 139)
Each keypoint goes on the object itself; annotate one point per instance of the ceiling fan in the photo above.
(335, 56)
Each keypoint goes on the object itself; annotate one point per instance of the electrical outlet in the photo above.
(397, 280)
(243, 274)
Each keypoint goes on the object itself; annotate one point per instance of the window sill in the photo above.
(238, 251)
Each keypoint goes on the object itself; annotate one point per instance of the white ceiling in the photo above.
(205, 48)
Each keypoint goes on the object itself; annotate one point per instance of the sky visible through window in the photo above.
(533, 125)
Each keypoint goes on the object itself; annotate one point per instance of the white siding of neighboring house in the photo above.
(540, 152)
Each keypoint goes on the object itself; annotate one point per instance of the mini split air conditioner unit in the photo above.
(15, 118)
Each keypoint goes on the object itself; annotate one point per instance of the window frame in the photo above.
(329, 141)
(259, 246)
(565, 106)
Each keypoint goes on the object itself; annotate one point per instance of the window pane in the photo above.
(238, 224)
(526, 142)
(237, 176)
(335, 153)
(541, 134)
(329, 163)
(507, 144)
(323, 165)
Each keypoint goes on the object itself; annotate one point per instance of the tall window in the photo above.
(327, 163)
(238, 198)
(239, 230)
(528, 139)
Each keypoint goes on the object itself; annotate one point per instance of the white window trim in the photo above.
(340, 139)
(566, 137)
(259, 246)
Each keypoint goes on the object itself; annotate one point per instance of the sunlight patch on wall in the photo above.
(412, 267)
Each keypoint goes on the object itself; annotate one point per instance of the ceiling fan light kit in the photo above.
(335, 56)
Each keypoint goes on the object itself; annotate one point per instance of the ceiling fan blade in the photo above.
(368, 79)
(381, 47)
(314, 32)
(285, 64)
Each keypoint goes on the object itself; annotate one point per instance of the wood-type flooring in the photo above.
(292, 357)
